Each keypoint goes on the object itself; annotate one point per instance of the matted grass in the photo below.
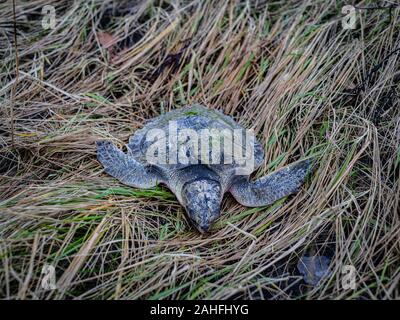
(287, 69)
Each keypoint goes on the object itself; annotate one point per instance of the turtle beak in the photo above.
(203, 229)
(203, 213)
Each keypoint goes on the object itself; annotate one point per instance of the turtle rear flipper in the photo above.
(272, 187)
(124, 167)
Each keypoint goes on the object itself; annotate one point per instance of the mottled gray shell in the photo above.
(199, 186)
(197, 118)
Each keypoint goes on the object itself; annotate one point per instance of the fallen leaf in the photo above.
(106, 39)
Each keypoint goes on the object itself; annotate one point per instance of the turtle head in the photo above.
(202, 201)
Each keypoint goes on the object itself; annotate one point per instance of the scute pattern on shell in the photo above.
(195, 117)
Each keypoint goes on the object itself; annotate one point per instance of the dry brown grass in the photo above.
(284, 69)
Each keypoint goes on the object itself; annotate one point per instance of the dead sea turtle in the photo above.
(199, 173)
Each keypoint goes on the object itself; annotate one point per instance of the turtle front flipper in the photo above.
(272, 187)
(124, 167)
